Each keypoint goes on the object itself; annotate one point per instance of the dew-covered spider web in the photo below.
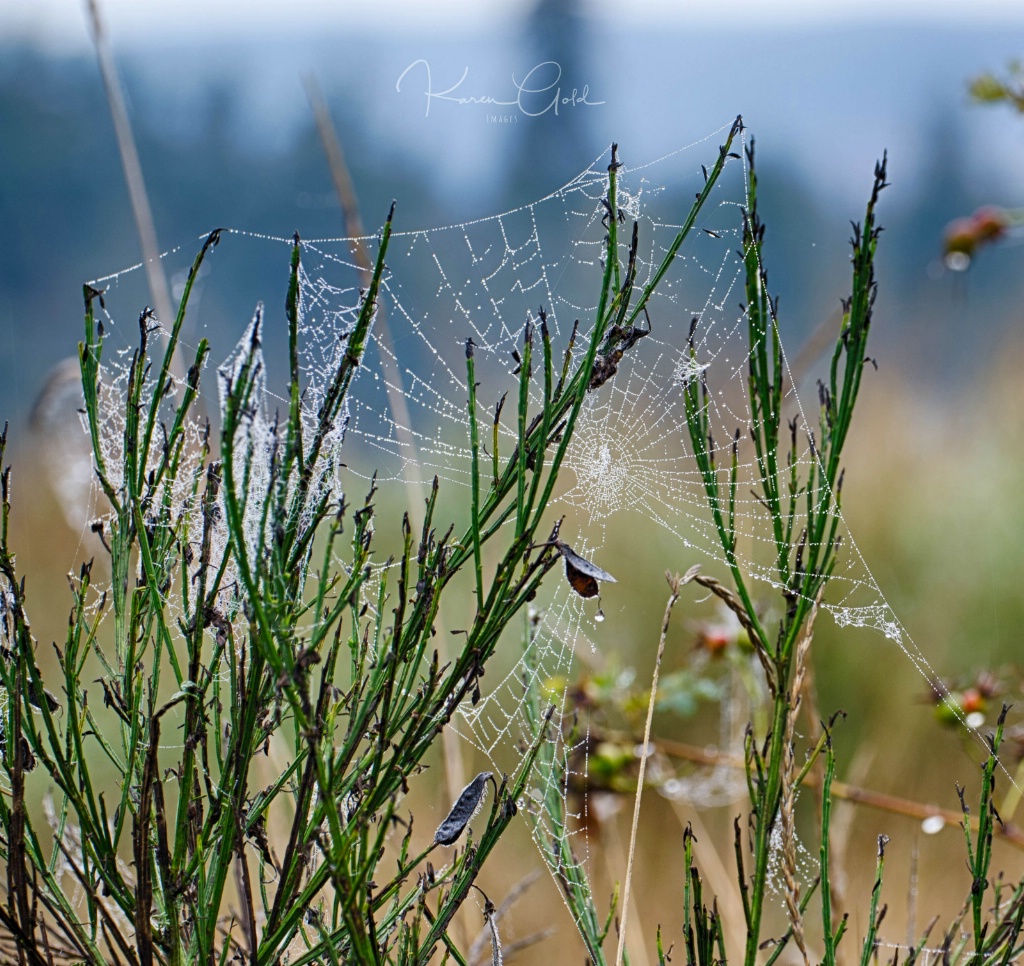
(629, 478)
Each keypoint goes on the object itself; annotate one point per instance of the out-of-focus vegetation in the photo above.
(1008, 89)
(990, 223)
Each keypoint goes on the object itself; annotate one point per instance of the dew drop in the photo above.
(958, 261)
(599, 616)
(933, 824)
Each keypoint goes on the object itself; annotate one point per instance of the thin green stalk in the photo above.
(474, 445)
(869, 949)
(829, 937)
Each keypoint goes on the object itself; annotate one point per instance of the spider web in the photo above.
(629, 459)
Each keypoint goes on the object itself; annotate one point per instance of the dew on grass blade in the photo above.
(463, 810)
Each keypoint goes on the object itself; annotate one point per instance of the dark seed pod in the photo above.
(463, 810)
(581, 573)
(28, 760)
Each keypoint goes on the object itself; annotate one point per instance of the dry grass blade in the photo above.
(674, 583)
(847, 792)
(787, 816)
(143, 213)
(478, 952)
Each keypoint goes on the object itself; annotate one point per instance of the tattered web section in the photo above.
(406, 418)
(261, 436)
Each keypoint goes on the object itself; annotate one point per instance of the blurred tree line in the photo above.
(65, 213)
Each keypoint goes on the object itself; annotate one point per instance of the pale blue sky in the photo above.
(61, 23)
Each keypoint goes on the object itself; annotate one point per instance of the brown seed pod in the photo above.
(582, 574)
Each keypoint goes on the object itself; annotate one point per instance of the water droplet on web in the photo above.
(599, 616)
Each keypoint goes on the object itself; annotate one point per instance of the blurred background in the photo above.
(226, 137)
